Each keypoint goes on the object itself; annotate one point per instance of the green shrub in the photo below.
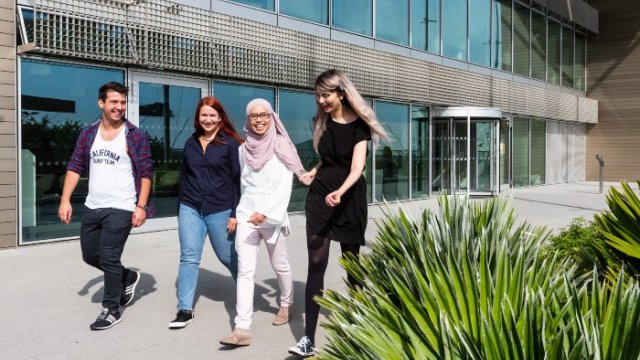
(466, 282)
(583, 243)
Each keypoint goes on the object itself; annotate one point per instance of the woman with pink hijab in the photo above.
(268, 160)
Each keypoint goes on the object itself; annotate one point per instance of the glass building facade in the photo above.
(506, 36)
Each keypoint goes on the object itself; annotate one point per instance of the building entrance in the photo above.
(465, 151)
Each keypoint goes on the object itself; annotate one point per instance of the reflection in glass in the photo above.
(235, 97)
(482, 157)
(353, 15)
(501, 35)
(419, 151)
(425, 25)
(297, 109)
(57, 102)
(520, 152)
(312, 10)
(580, 62)
(459, 176)
(263, 4)
(567, 56)
(454, 29)
(392, 18)
(479, 31)
(538, 146)
(392, 158)
(553, 53)
(505, 156)
(441, 156)
(521, 40)
(538, 46)
(167, 115)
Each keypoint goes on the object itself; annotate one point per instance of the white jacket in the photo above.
(267, 192)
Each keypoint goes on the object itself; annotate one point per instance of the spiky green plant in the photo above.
(466, 282)
(620, 224)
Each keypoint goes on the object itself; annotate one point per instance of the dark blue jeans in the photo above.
(103, 234)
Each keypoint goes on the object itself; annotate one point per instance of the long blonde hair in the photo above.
(335, 80)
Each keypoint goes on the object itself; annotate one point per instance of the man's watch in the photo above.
(145, 207)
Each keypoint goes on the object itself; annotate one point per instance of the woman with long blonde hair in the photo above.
(336, 207)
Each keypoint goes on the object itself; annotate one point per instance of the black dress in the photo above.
(346, 222)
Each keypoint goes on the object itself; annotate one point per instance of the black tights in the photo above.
(318, 250)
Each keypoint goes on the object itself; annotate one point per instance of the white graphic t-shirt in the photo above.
(111, 183)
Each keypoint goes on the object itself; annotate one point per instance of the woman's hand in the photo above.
(257, 219)
(307, 178)
(333, 199)
(231, 225)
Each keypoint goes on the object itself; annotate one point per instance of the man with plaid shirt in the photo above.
(116, 157)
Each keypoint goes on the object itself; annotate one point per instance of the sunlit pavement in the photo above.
(49, 296)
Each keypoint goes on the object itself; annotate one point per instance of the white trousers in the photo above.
(248, 241)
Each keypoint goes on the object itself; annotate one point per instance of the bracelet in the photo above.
(145, 207)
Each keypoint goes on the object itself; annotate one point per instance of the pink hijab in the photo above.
(259, 149)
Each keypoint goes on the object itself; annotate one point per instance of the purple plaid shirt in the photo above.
(137, 146)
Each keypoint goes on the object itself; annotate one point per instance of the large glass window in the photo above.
(392, 159)
(353, 15)
(501, 35)
(538, 46)
(58, 100)
(263, 4)
(553, 53)
(521, 39)
(520, 152)
(392, 18)
(538, 146)
(580, 63)
(419, 151)
(454, 29)
(297, 109)
(235, 97)
(480, 31)
(567, 56)
(425, 25)
(166, 114)
(312, 10)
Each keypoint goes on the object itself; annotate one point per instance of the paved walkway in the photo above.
(49, 296)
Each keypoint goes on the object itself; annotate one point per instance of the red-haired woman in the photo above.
(208, 195)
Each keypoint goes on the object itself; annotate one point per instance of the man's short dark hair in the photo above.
(112, 86)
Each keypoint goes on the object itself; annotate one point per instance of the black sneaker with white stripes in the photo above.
(304, 347)
(129, 287)
(106, 319)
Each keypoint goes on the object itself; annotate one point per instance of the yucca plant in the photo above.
(620, 224)
(466, 282)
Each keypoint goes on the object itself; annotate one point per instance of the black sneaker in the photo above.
(129, 288)
(106, 319)
(183, 318)
(304, 347)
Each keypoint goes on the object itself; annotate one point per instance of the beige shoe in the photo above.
(282, 317)
(239, 337)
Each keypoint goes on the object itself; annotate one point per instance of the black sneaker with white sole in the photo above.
(129, 288)
(183, 318)
(304, 347)
(106, 319)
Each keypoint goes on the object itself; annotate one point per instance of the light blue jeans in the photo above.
(193, 227)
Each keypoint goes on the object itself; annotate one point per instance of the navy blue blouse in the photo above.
(210, 180)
